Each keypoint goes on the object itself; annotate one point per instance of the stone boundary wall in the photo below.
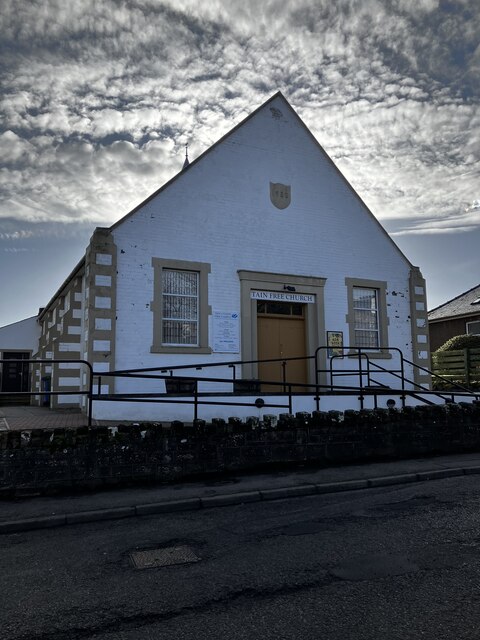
(70, 460)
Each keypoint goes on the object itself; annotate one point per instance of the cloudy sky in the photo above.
(98, 98)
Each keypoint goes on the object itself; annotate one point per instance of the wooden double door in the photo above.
(281, 333)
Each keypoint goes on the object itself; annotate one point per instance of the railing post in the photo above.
(90, 395)
(195, 400)
(290, 402)
(331, 373)
(369, 379)
(360, 373)
(284, 374)
(402, 373)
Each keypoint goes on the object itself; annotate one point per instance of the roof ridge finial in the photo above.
(186, 161)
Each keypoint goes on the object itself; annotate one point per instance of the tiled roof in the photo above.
(467, 303)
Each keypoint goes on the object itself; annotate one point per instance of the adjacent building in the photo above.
(18, 343)
(456, 317)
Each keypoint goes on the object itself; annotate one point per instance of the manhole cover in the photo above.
(163, 557)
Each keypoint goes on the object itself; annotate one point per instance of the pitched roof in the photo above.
(198, 159)
(467, 303)
(58, 292)
(192, 163)
(10, 324)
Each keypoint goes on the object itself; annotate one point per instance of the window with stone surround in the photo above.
(180, 306)
(367, 315)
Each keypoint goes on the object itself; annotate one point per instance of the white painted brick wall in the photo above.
(69, 382)
(103, 281)
(103, 259)
(20, 335)
(102, 302)
(69, 346)
(101, 367)
(101, 345)
(103, 324)
(70, 399)
(74, 330)
(220, 212)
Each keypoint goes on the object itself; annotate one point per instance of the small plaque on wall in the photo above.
(335, 343)
(280, 194)
(226, 332)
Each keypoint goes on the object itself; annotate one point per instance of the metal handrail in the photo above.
(165, 397)
(285, 386)
(88, 392)
(359, 352)
(351, 352)
(206, 365)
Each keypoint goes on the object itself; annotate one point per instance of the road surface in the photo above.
(391, 563)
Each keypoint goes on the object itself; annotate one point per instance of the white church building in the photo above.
(257, 250)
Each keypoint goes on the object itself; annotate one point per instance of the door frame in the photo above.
(314, 314)
(26, 355)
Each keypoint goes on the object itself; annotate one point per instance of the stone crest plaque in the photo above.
(280, 194)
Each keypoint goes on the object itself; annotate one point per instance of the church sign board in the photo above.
(282, 296)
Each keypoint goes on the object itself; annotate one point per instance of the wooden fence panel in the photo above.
(462, 365)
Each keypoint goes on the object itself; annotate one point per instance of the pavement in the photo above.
(19, 417)
(48, 512)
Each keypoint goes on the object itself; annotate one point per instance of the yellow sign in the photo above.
(335, 343)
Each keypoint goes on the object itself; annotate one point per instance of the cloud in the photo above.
(16, 235)
(98, 102)
(475, 206)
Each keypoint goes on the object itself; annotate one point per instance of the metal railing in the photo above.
(373, 387)
(173, 396)
(184, 389)
(32, 363)
(364, 371)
